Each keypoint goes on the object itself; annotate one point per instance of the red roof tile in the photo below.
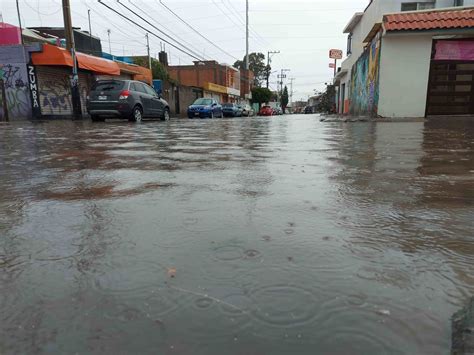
(429, 20)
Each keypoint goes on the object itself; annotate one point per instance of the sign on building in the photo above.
(34, 92)
(335, 54)
(332, 65)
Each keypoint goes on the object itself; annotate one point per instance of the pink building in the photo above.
(9, 34)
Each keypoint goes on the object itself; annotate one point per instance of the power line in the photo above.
(164, 33)
(194, 30)
(145, 29)
(177, 35)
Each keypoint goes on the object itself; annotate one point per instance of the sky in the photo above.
(302, 30)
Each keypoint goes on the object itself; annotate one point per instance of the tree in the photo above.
(328, 100)
(257, 65)
(158, 70)
(261, 95)
(284, 99)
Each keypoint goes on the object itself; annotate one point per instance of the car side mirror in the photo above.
(214, 105)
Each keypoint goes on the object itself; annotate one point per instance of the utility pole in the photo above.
(269, 53)
(90, 27)
(19, 21)
(71, 46)
(148, 50)
(110, 46)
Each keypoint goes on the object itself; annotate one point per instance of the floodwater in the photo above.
(237, 236)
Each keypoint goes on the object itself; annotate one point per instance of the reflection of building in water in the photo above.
(448, 163)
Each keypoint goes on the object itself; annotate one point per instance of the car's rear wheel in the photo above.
(166, 115)
(137, 114)
(96, 118)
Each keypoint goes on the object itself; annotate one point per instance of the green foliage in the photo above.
(257, 65)
(261, 95)
(284, 98)
(328, 99)
(158, 70)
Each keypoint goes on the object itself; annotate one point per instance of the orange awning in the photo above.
(97, 65)
(128, 68)
(52, 55)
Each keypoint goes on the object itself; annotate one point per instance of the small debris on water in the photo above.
(172, 272)
(383, 312)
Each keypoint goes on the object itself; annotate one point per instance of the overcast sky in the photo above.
(302, 30)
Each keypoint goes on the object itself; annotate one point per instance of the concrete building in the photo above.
(391, 56)
(219, 81)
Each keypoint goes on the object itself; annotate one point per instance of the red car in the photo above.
(266, 111)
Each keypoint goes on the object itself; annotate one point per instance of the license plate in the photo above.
(196, 114)
(103, 98)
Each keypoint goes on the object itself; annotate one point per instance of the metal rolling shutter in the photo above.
(54, 91)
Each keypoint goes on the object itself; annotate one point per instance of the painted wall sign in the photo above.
(454, 50)
(34, 92)
(335, 54)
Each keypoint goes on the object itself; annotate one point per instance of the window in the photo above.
(413, 6)
(109, 85)
(149, 90)
(349, 44)
(458, 2)
(140, 87)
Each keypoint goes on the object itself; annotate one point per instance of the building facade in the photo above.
(387, 69)
(35, 79)
(219, 81)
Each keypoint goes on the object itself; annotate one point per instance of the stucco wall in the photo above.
(404, 73)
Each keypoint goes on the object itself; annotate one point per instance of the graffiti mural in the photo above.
(365, 81)
(17, 94)
(55, 96)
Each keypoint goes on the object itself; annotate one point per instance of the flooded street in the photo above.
(239, 236)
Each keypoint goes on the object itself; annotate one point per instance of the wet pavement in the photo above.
(239, 236)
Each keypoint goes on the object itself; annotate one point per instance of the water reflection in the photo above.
(284, 235)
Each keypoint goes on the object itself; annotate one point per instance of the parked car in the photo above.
(308, 110)
(205, 108)
(247, 111)
(265, 111)
(279, 111)
(231, 110)
(128, 99)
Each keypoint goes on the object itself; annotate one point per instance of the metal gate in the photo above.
(55, 90)
(451, 87)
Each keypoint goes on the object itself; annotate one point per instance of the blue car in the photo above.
(232, 110)
(205, 108)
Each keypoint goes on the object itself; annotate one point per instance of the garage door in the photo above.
(451, 84)
(55, 90)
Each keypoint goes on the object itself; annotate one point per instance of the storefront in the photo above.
(214, 91)
(53, 72)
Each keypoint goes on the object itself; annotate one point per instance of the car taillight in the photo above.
(124, 95)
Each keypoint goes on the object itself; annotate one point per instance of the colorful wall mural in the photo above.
(14, 75)
(17, 95)
(364, 90)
